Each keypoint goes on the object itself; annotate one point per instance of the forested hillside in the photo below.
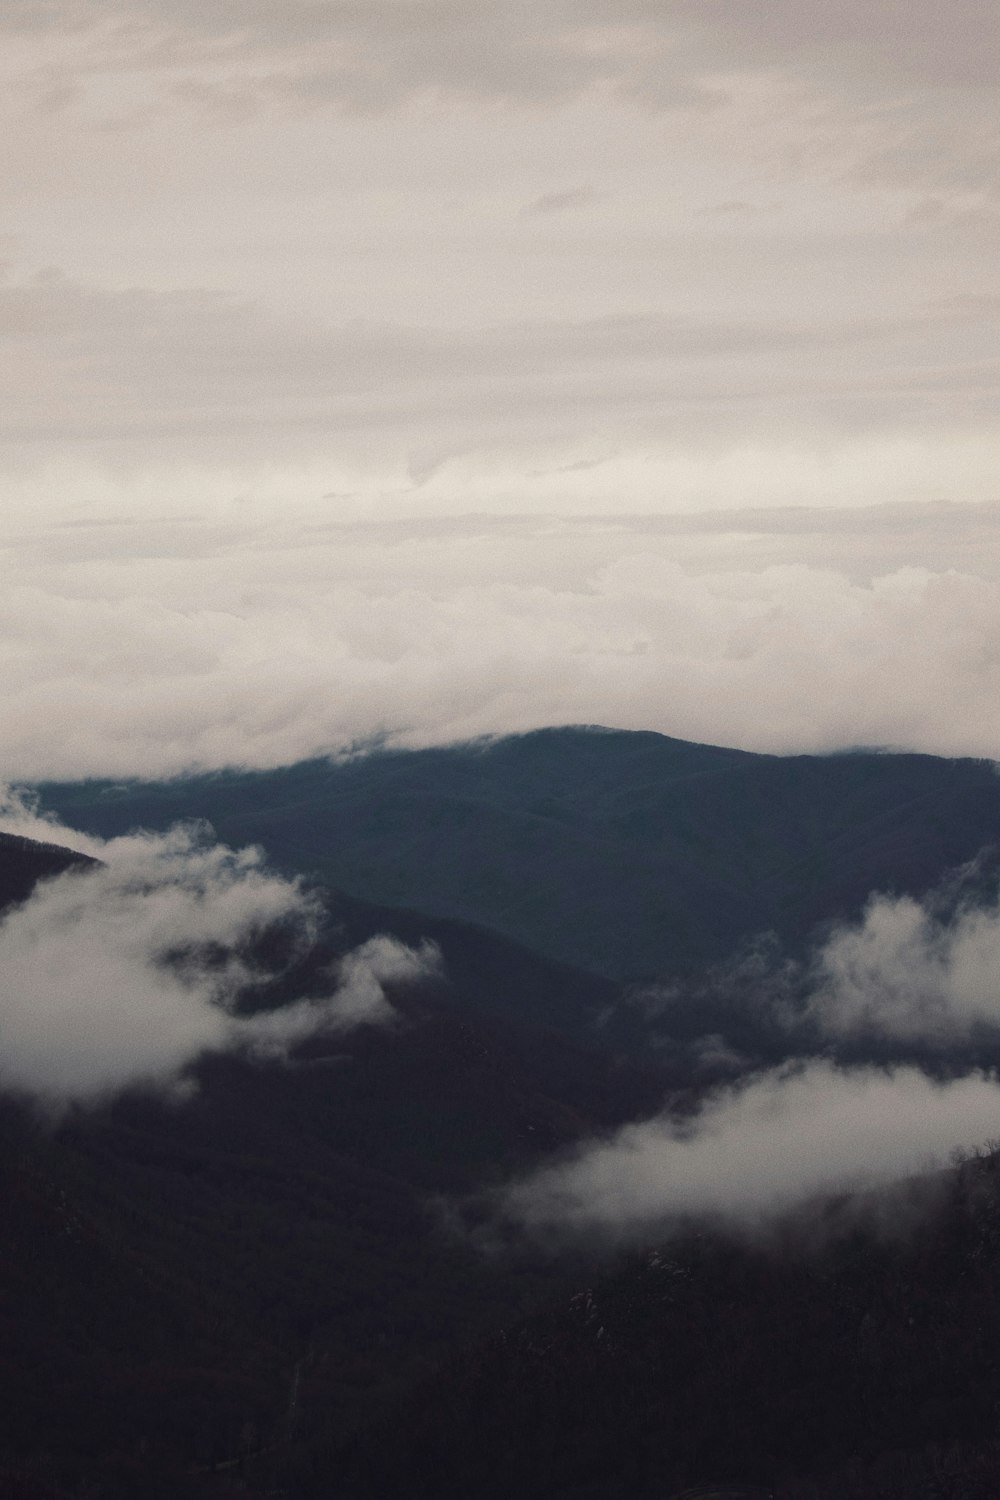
(859, 1361)
(632, 855)
(296, 1275)
(170, 1272)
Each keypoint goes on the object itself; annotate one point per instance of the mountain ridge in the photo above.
(628, 854)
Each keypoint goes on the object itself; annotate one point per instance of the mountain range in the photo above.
(286, 1280)
(631, 855)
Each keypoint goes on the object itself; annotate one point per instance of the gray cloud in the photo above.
(557, 203)
(134, 381)
(125, 973)
(756, 1149)
(383, 50)
(892, 93)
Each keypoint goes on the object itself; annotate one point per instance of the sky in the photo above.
(427, 368)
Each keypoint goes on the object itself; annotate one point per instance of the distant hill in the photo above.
(628, 854)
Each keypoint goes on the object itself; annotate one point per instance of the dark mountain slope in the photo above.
(23, 862)
(865, 1367)
(488, 974)
(171, 1273)
(632, 855)
(256, 1291)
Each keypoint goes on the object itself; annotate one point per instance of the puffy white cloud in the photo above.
(758, 1148)
(125, 972)
(907, 972)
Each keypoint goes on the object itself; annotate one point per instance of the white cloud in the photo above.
(758, 1148)
(358, 998)
(125, 973)
(906, 972)
(146, 649)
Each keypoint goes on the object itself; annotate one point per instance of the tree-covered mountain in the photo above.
(628, 854)
(269, 1286)
(186, 1282)
(856, 1358)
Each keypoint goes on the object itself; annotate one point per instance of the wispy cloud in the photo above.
(908, 978)
(562, 202)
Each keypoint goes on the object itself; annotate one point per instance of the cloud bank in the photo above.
(125, 973)
(145, 649)
(757, 1148)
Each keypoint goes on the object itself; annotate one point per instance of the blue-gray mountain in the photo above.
(629, 854)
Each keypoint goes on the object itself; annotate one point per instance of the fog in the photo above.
(124, 973)
(907, 979)
(134, 649)
(754, 1149)
(907, 972)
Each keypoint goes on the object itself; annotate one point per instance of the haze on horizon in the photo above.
(440, 369)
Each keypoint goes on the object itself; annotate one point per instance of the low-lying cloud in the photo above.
(755, 1149)
(906, 972)
(269, 640)
(908, 980)
(125, 972)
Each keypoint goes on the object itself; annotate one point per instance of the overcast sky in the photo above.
(292, 288)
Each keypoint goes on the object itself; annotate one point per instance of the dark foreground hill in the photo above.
(810, 1366)
(261, 1289)
(631, 855)
(186, 1284)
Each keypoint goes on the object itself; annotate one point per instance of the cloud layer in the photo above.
(757, 1148)
(380, 54)
(147, 649)
(124, 973)
(302, 248)
(289, 291)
